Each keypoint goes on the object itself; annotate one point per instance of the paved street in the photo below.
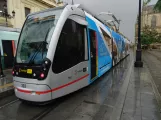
(124, 93)
(140, 102)
(153, 61)
(6, 83)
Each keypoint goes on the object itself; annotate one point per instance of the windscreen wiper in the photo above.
(39, 48)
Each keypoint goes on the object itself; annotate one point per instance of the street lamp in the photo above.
(138, 62)
(5, 13)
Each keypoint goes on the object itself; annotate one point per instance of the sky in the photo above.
(153, 1)
(125, 10)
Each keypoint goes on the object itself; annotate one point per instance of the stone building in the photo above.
(151, 18)
(22, 8)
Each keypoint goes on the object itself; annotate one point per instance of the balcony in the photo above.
(3, 22)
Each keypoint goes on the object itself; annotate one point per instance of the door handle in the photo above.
(84, 69)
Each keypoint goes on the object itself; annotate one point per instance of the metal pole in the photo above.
(112, 50)
(1, 69)
(138, 62)
(139, 27)
(6, 19)
(5, 11)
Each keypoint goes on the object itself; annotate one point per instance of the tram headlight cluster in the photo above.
(32, 71)
(45, 68)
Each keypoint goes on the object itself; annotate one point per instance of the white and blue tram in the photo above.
(61, 50)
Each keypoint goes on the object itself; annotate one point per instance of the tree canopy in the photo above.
(145, 2)
(158, 6)
(149, 36)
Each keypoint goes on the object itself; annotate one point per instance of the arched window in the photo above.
(153, 21)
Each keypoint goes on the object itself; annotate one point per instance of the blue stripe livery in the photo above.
(104, 55)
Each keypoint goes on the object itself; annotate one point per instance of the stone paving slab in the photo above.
(6, 84)
(154, 66)
(140, 102)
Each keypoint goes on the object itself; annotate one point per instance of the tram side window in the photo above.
(107, 39)
(70, 48)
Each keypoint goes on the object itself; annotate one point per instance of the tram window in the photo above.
(107, 39)
(70, 48)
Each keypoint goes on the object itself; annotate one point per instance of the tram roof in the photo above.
(62, 7)
(47, 10)
(9, 29)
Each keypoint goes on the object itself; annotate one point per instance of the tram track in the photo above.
(9, 103)
(38, 116)
(53, 105)
(43, 113)
(46, 111)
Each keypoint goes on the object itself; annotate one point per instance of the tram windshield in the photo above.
(35, 37)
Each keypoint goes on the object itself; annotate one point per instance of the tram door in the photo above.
(8, 53)
(93, 38)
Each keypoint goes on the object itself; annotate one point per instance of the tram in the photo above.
(62, 50)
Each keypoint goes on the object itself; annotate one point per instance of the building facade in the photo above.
(23, 7)
(151, 18)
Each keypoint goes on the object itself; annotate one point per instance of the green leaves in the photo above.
(158, 6)
(145, 2)
(149, 36)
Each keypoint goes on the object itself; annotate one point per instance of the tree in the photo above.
(149, 36)
(145, 2)
(158, 6)
(158, 37)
